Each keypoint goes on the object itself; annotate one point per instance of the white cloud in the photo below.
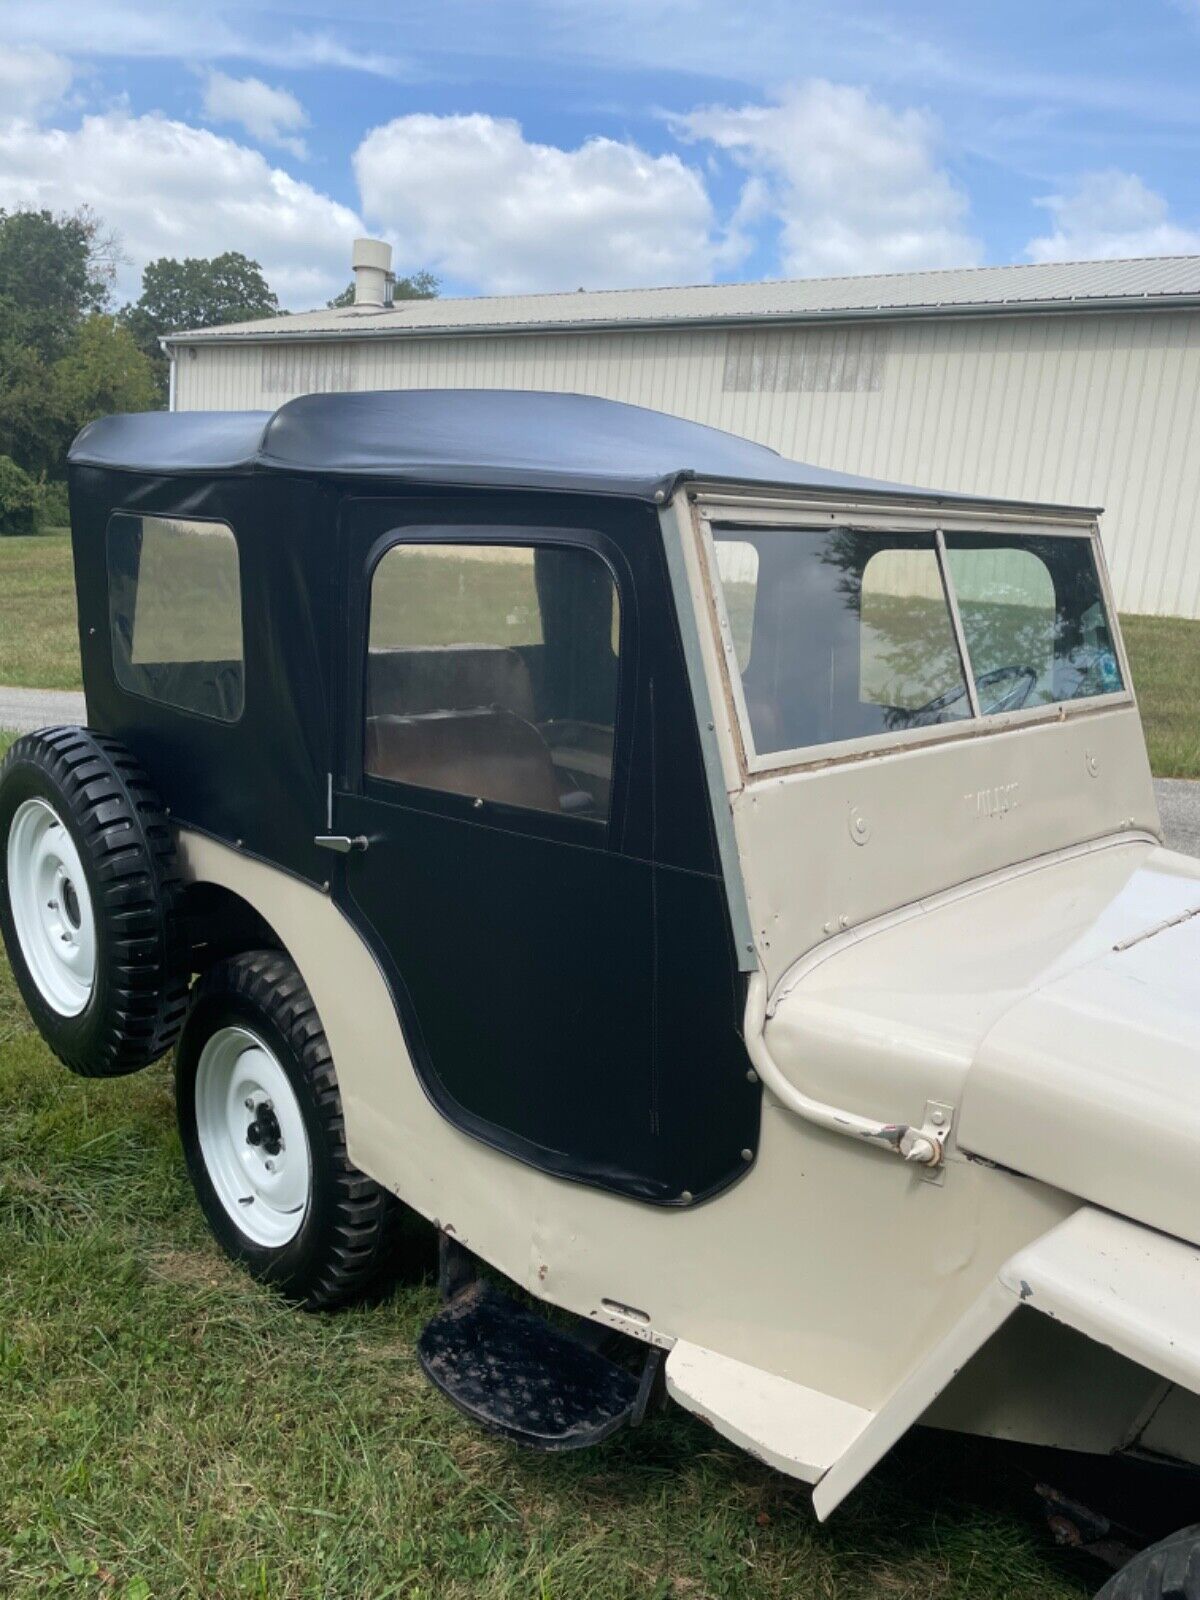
(272, 116)
(202, 30)
(474, 200)
(856, 187)
(1111, 215)
(171, 189)
(31, 81)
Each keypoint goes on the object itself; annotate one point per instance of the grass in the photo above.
(172, 1430)
(39, 647)
(1164, 653)
(39, 642)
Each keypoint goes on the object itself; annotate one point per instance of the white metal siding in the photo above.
(1089, 409)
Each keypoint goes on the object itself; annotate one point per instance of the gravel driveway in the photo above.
(22, 710)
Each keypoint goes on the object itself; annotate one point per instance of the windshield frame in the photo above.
(731, 510)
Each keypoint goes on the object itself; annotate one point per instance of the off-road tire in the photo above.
(1168, 1570)
(347, 1239)
(124, 840)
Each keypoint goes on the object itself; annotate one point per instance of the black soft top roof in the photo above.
(501, 438)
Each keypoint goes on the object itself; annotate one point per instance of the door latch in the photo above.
(342, 843)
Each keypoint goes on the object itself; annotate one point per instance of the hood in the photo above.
(1092, 1082)
(1056, 1008)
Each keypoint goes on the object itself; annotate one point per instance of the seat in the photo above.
(413, 681)
(485, 752)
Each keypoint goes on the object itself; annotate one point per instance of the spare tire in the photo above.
(89, 901)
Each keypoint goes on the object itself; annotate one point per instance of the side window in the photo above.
(492, 672)
(175, 613)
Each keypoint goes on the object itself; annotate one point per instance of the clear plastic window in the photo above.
(1033, 618)
(737, 567)
(853, 631)
(492, 672)
(175, 613)
(852, 636)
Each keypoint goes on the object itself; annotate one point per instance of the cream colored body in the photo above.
(821, 1305)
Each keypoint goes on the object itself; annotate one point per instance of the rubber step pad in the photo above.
(509, 1370)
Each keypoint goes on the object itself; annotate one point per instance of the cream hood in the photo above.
(1056, 1009)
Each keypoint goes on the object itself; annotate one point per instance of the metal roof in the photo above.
(1152, 282)
(492, 437)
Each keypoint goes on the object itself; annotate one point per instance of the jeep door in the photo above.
(564, 989)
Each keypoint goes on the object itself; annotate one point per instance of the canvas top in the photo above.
(492, 438)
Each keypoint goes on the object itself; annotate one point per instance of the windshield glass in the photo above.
(843, 633)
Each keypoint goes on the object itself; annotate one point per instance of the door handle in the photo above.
(341, 842)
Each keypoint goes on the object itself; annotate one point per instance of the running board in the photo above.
(512, 1372)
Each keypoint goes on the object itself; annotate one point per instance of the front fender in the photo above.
(1130, 1289)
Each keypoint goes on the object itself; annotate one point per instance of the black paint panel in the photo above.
(569, 995)
(260, 781)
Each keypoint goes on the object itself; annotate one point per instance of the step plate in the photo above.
(509, 1370)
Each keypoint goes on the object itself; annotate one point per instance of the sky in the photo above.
(516, 145)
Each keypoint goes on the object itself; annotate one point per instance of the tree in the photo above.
(420, 286)
(43, 407)
(102, 372)
(54, 271)
(197, 292)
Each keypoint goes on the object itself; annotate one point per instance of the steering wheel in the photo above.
(1012, 700)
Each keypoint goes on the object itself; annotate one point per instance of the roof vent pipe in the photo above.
(372, 262)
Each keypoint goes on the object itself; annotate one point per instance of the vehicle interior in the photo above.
(492, 672)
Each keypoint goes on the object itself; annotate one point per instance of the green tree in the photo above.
(54, 271)
(102, 371)
(43, 407)
(197, 292)
(20, 499)
(420, 286)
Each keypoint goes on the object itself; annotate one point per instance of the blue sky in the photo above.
(553, 144)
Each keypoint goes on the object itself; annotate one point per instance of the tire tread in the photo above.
(362, 1234)
(1168, 1570)
(130, 849)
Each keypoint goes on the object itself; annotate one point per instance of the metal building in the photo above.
(1076, 382)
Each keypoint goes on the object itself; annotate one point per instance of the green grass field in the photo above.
(39, 644)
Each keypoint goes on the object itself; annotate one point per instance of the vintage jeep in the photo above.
(725, 896)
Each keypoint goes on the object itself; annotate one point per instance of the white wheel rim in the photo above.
(51, 907)
(252, 1137)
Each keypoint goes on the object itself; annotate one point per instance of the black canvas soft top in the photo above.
(498, 438)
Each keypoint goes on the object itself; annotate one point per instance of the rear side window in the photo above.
(492, 672)
(175, 613)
